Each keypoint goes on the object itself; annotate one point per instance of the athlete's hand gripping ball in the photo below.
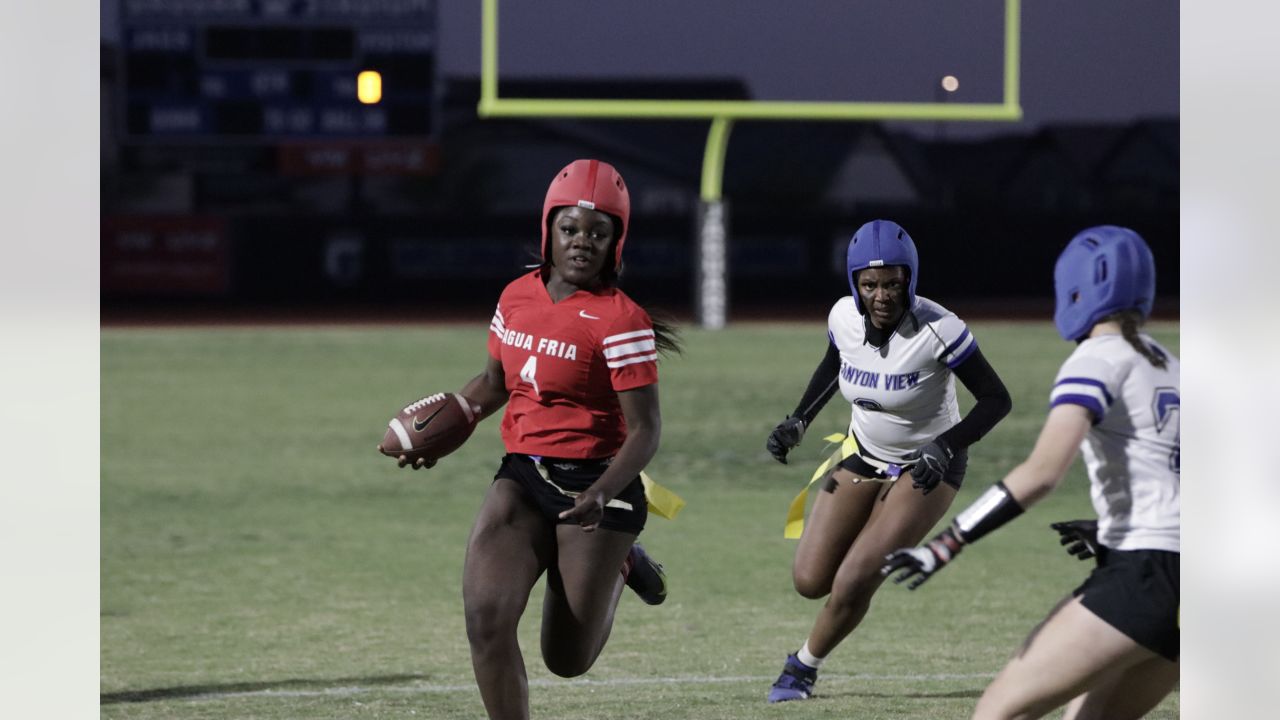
(784, 437)
(1081, 536)
(417, 464)
(922, 562)
(931, 463)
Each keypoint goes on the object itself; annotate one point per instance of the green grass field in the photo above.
(260, 559)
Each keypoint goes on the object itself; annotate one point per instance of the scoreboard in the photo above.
(268, 70)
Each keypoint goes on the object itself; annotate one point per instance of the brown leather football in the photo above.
(430, 428)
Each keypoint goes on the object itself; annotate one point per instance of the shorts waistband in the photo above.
(568, 464)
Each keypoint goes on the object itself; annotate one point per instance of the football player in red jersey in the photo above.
(575, 362)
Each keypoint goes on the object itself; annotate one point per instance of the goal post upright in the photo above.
(712, 221)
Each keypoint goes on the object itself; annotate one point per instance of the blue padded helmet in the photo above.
(1103, 270)
(881, 243)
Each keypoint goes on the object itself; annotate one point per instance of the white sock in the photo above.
(808, 658)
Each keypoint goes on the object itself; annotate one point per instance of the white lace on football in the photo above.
(424, 402)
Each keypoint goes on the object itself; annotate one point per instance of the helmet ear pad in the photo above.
(881, 243)
(594, 185)
(1103, 270)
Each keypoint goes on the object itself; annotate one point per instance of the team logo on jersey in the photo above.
(869, 405)
(545, 346)
(868, 379)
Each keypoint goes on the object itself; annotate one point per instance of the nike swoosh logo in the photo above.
(420, 426)
(583, 313)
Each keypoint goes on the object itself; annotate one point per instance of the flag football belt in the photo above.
(847, 448)
(662, 502)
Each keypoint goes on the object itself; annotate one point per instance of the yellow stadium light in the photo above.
(369, 87)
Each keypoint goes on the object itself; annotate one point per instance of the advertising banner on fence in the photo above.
(165, 255)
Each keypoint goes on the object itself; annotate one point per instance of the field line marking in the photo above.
(432, 688)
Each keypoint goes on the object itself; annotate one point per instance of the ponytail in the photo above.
(666, 335)
(1130, 320)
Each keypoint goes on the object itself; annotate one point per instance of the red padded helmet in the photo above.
(593, 185)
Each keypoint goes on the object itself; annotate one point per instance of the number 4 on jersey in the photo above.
(529, 371)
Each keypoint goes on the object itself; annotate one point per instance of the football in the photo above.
(430, 428)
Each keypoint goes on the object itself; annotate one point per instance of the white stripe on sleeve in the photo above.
(615, 351)
(632, 360)
(1071, 388)
(627, 336)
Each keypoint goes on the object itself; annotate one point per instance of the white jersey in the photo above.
(1132, 451)
(903, 394)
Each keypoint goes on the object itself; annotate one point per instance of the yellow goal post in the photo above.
(712, 301)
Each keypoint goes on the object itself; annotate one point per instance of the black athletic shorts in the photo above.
(553, 483)
(858, 466)
(1137, 593)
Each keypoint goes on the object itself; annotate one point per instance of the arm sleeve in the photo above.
(993, 401)
(822, 385)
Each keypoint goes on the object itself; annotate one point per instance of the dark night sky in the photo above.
(1082, 59)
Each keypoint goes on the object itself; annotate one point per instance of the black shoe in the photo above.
(646, 578)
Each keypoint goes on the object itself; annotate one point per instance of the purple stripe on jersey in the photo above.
(831, 338)
(963, 356)
(1088, 402)
(959, 341)
(1088, 381)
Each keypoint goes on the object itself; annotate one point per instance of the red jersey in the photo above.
(565, 364)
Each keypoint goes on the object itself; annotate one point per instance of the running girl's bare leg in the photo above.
(901, 516)
(583, 587)
(1127, 694)
(1071, 653)
(840, 510)
(510, 546)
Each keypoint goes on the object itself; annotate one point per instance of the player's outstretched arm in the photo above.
(1054, 451)
(1025, 485)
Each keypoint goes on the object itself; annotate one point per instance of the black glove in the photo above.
(784, 437)
(931, 462)
(923, 561)
(1083, 537)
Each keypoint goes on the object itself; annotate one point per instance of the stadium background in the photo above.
(241, 176)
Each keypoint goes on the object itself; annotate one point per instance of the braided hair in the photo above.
(1130, 320)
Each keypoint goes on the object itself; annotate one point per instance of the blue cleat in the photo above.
(646, 576)
(795, 682)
